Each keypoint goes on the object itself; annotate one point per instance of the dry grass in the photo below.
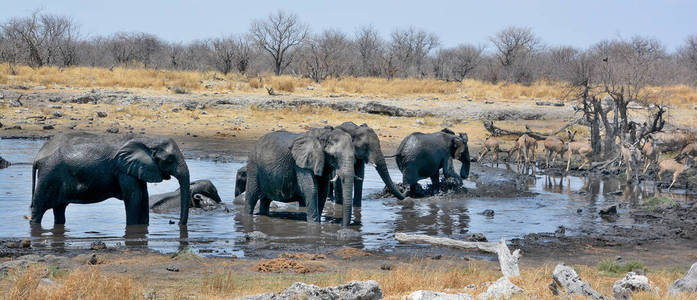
(220, 280)
(81, 283)
(191, 81)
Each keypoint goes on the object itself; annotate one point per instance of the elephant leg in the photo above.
(264, 205)
(252, 190)
(358, 184)
(38, 209)
(135, 197)
(337, 191)
(435, 184)
(307, 183)
(322, 191)
(59, 213)
(301, 203)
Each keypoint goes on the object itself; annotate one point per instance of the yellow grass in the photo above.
(224, 281)
(201, 82)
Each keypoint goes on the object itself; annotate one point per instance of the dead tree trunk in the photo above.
(507, 260)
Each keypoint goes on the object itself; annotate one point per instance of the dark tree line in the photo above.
(282, 44)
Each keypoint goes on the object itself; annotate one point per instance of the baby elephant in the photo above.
(422, 155)
(204, 195)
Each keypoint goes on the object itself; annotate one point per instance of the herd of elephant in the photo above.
(283, 166)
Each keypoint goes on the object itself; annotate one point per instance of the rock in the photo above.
(501, 289)
(431, 295)
(488, 102)
(39, 87)
(374, 107)
(25, 243)
(93, 260)
(55, 99)
(420, 121)
(386, 267)
(86, 98)
(102, 114)
(476, 237)
(333, 96)
(255, 236)
(695, 107)
(687, 284)
(176, 109)
(609, 210)
(57, 114)
(632, 282)
(354, 290)
(48, 127)
(559, 103)
(13, 264)
(173, 268)
(4, 163)
(17, 127)
(310, 88)
(488, 212)
(48, 283)
(347, 234)
(112, 129)
(19, 87)
(568, 280)
(98, 245)
(15, 103)
(190, 105)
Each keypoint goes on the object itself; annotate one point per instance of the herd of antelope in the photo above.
(635, 158)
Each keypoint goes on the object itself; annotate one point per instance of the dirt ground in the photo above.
(224, 127)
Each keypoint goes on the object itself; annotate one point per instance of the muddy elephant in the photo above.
(240, 180)
(422, 155)
(288, 167)
(367, 148)
(204, 195)
(88, 168)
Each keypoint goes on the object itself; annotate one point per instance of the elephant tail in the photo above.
(33, 182)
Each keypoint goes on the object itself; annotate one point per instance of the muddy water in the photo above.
(572, 202)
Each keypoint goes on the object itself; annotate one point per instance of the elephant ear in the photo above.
(456, 147)
(308, 154)
(135, 159)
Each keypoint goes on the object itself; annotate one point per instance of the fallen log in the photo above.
(498, 131)
(507, 260)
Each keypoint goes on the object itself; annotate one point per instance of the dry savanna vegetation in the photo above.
(177, 81)
(137, 276)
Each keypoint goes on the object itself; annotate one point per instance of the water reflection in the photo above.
(569, 201)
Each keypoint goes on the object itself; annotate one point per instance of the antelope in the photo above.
(689, 150)
(631, 158)
(525, 144)
(650, 153)
(555, 146)
(670, 141)
(671, 165)
(583, 149)
(491, 145)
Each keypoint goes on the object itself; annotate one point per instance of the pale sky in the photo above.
(577, 23)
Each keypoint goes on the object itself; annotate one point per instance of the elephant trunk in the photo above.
(381, 167)
(346, 175)
(182, 174)
(465, 160)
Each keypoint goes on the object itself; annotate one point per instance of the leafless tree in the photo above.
(370, 47)
(514, 48)
(457, 63)
(410, 47)
(139, 47)
(278, 35)
(688, 55)
(326, 55)
(42, 38)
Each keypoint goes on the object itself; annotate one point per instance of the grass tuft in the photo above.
(656, 203)
(612, 267)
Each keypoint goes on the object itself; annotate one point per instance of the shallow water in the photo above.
(555, 204)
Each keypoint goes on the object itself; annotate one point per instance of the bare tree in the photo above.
(278, 35)
(688, 55)
(370, 47)
(514, 49)
(41, 37)
(139, 47)
(224, 54)
(410, 47)
(326, 55)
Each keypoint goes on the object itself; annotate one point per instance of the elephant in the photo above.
(88, 168)
(288, 167)
(240, 181)
(367, 148)
(422, 155)
(204, 195)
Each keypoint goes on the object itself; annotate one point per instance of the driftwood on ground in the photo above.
(507, 260)
(498, 131)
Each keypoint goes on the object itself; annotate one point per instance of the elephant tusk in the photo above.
(335, 178)
(357, 178)
(374, 165)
